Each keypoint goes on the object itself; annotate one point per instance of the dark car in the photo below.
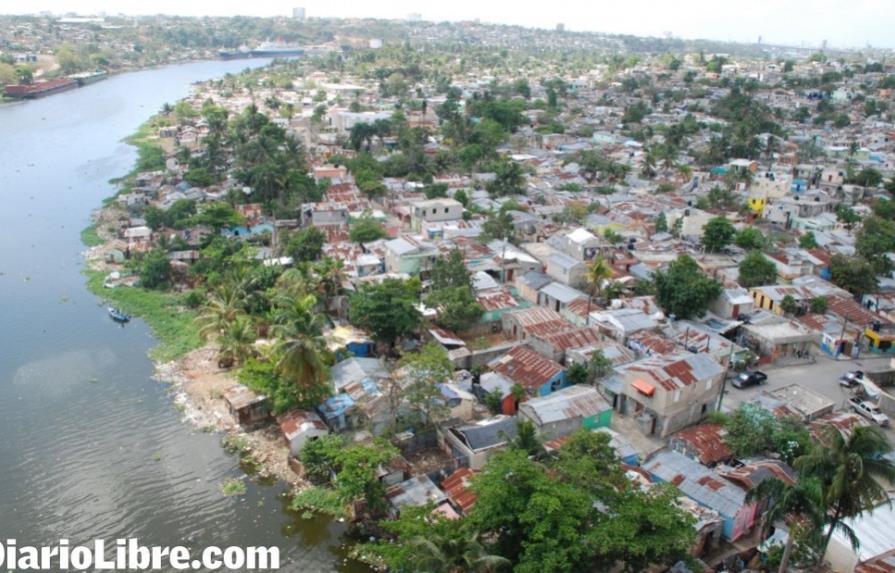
(851, 379)
(746, 379)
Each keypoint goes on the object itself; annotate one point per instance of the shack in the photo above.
(250, 409)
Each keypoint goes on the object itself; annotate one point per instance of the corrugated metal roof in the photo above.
(875, 529)
(676, 371)
(575, 338)
(456, 486)
(704, 442)
(573, 402)
(697, 482)
(526, 367)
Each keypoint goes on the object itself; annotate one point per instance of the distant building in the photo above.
(298, 13)
(375, 43)
(560, 27)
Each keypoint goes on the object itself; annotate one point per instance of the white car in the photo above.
(870, 411)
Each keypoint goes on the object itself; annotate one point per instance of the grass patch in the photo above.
(233, 487)
(90, 237)
(318, 499)
(171, 322)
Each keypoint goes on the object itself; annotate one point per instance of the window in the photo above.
(676, 396)
(445, 209)
(704, 408)
(708, 384)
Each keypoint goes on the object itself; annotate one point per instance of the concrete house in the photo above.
(567, 410)
(471, 445)
(558, 296)
(623, 322)
(580, 244)
(567, 270)
(667, 393)
(409, 255)
(435, 211)
(732, 303)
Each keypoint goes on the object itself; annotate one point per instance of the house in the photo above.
(732, 303)
(776, 338)
(623, 322)
(410, 255)
(250, 409)
(534, 321)
(492, 382)
(556, 345)
(416, 491)
(567, 270)
(299, 427)
(539, 376)
(703, 443)
(529, 285)
(706, 487)
(580, 244)
(876, 554)
(667, 393)
(459, 402)
(809, 404)
(435, 211)
(558, 296)
(565, 411)
(358, 399)
(471, 445)
(456, 487)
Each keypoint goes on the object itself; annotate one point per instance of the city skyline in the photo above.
(853, 24)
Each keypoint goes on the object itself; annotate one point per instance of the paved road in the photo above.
(821, 376)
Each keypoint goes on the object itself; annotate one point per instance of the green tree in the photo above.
(457, 307)
(717, 234)
(301, 348)
(852, 472)
(155, 270)
(661, 223)
(450, 272)
(599, 365)
(799, 504)
(366, 229)
(683, 290)
(423, 371)
(750, 238)
(808, 240)
(756, 270)
(818, 305)
(306, 245)
(236, 344)
(789, 305)
(509, 179)
(387, 309)
(854, 274)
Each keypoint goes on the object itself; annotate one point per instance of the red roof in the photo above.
(576, 338)
(526, 367)
(456, 486)
(705, 442)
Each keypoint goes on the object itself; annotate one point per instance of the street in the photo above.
(821, 376)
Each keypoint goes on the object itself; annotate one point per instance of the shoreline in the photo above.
(180, 358)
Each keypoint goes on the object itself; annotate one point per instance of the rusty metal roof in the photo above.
(678, 370)
(574, 338)
(296, 421)
(704, 442)
(576, 401)
(456, 486)
(526, 367)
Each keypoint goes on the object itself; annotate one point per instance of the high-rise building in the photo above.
(560, 27)
(298, 13)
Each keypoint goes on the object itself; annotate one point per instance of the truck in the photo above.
(869, 410)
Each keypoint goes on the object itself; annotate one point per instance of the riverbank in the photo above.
(182, 359)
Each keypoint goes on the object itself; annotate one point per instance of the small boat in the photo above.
(118, 316)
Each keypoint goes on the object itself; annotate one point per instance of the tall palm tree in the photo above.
(648, 169)
(852, 473)
(801, 502)
(455, 554)
(301, 348)
(598, 271)
(223, 307)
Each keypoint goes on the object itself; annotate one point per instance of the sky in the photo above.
(843, 23)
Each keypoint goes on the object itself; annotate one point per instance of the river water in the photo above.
(90, 445)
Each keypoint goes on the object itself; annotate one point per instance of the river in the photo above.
(90, 445)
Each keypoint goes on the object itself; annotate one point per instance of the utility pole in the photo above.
(724, 380)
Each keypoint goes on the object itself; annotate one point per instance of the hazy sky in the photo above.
(843, 23)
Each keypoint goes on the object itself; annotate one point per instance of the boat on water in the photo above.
(118, 316)
(265, 50)
(39, 89)
(86, 78)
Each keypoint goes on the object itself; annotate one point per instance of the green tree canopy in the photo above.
(387, 309)
(717, 234)
(756, 270)
(683, 290)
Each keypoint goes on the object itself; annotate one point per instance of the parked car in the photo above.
(746, 379)
(869, 410)
(851, 379)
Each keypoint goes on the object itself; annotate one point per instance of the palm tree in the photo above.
(802, 502)
(649, 164)
(236, 343)
(851, 471)
(301, 347)
(455, 554)
(223, 307)
(598, 272)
